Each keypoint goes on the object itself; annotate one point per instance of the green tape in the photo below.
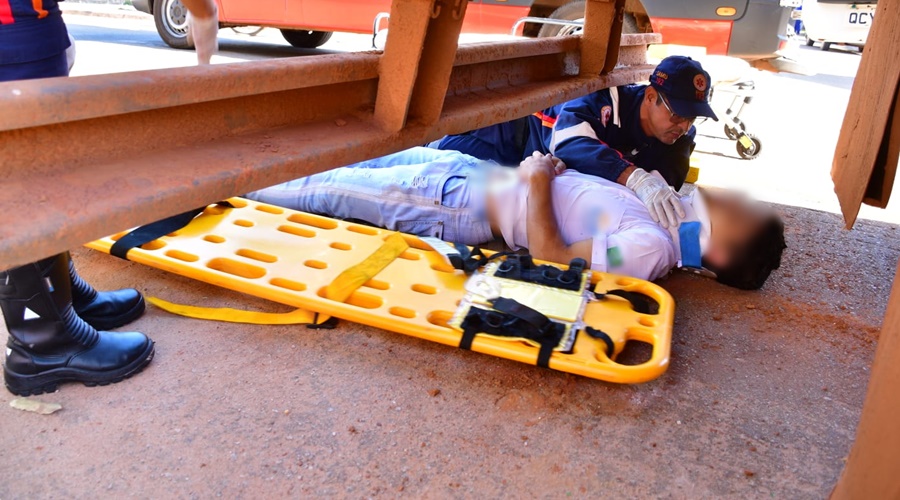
(614, 257)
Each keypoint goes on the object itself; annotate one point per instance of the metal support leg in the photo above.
(417, 61)
(602, 29)
(438, 55)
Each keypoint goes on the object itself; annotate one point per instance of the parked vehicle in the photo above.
(310, 23)
(752, 29)
(838, 21)
(749, 29)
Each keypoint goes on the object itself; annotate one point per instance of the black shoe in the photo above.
(104, 310)
(49, 343)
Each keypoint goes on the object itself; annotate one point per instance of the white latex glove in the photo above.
(202, 34)
(660, 199)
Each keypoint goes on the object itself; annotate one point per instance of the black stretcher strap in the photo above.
(149, 232)
(521, 311)
(329, 324)
(470, 261)
(600, 334)
(522, 268)
(641, 303)
(513, 319)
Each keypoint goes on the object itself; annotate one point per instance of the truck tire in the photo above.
(571, 11)
(170, 17)
(306, 39)
(574, 11)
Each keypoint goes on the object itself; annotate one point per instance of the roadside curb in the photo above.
(79, 10)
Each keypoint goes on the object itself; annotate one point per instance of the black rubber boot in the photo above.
(49, 343)
(104, 310)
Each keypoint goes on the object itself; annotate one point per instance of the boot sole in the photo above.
(106, 323)
(32, 385)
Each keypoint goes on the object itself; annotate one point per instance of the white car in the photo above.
(844, 22)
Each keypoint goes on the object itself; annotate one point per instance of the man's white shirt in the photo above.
(625, 239)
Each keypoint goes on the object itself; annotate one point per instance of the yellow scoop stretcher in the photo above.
(326, 267)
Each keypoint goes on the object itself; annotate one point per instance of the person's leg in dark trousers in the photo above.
(503, 143)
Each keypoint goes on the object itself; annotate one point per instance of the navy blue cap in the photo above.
(686, 86)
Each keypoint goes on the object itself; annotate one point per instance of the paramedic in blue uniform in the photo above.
(57, 322)
(620, 134)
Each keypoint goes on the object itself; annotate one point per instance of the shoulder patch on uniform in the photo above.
(605, 113)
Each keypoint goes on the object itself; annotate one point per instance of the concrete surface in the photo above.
(761, 399)
(115, 10)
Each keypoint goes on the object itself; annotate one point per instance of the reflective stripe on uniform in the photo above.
(38, 6)
(583, 129)
(6, 16)
(546, 120)
(614, 96)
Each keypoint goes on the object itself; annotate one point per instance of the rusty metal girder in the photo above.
(85, 157)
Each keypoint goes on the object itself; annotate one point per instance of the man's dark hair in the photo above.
(760, 257)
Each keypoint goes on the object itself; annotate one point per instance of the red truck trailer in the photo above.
(751, 29)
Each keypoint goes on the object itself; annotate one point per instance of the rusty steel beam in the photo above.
(416, 65)
(401, 61)
(602, 19)
(615, 37)
(436, 67)
(85, 157)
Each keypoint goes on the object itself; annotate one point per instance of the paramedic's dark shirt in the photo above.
(30, 32)
(584, 136)
(581, 132)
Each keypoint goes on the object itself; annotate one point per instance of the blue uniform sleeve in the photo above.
(578, 137)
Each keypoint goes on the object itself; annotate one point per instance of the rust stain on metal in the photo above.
(57, 100)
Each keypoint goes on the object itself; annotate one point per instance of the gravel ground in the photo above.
(761, 400)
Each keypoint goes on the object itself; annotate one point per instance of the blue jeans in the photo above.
(420, 191)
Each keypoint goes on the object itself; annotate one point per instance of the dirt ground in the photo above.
(761, 400)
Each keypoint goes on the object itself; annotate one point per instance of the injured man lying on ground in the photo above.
(556, 214)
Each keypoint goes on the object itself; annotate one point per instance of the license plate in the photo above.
(861, 17)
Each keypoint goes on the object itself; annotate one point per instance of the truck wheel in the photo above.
(630, 24)
(574, 11)
(810, 42)
(170, 17)
(306, 39)
(826, 46)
